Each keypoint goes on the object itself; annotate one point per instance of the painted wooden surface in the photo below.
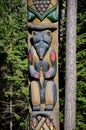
(43, 64)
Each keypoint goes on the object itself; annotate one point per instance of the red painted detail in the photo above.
(30, 56)
(53, 57)
(48, 75)
(51, 126)
(36, 75)
(47, 121)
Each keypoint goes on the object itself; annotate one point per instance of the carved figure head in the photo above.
(41, 42)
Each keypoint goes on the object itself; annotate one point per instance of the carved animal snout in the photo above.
(41, 53)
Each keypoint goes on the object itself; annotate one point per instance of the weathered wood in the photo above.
(45, 119)
(43, 68)
(70, 88)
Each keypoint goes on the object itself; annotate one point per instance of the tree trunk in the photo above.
(70, 89)
(62, 12)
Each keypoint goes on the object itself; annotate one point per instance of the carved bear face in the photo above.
(41, 42)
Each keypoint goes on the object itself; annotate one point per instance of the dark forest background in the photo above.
(14, 94)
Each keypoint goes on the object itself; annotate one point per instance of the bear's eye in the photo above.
(36, 40)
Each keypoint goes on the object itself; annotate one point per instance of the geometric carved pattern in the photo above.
(41, 9)
(42, 122)
(41, 5)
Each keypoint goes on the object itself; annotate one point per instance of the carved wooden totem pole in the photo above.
(43, 70)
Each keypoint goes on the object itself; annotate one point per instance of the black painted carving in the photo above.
(41, 42)
(42, 70)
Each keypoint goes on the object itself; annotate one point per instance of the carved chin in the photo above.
(41, 52)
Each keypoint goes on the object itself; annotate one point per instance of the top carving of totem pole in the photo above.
(43, 64)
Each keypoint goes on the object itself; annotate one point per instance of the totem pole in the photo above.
(43, 64)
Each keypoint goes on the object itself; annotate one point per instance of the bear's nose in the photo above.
(41, 51)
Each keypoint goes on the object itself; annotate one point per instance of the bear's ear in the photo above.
(34, 33)
(48, 32)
